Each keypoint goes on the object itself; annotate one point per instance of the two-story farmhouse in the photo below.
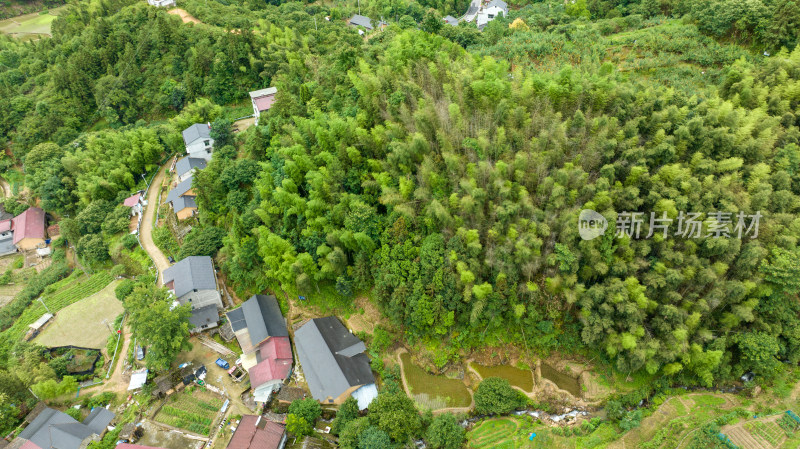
(198, 141)
(136, 202)
(24, 232)
(186, 167)
(262, 100)
(193, 281)
(261, 331)
(182, 199)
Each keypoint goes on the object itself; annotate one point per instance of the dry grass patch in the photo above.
(84, 323)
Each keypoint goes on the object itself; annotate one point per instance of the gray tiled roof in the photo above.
(191, 273)
(180, 189)
(186, 164)
(363, 21)
(332, 358)
(183, 202)
(204, 315)
(499, 3)
(196, 131)
(99, 419)
(53, 429)
(264, 318)
(263, 92)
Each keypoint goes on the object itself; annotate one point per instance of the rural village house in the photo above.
(193, 281)
(24, 232)
(261, 331)
(334, 363)
(187, 166)
(161, 3)
(182, 199)
(198, 141)
(136, 202)
(53, 429)
(257, 432)
(489, 12)
(262, 100)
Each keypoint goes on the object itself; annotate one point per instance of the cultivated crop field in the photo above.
(515, 376)
(30, 25)
(84, 323)
(438, 390)
(508, 433)
(192, 410)
(61, 294)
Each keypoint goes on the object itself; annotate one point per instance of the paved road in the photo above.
(146, 230)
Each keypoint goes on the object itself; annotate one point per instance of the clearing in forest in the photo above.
(184, 15)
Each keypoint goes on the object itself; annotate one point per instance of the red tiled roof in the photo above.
(266, 435)
(5, 225)
(276, 361)
(29, 224)
(132, 200)
(265, 102)
(29, 445)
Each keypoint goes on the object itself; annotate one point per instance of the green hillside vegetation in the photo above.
(443, 170)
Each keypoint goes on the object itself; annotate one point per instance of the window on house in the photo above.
(206, 142)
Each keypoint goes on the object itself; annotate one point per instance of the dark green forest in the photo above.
(441, 171)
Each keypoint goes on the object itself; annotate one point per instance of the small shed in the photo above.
(38, 324)
(138, 379)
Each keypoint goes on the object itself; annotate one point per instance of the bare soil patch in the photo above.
(184, 15)
(366, 318)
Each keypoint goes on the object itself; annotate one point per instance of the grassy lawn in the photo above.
(193, 409)
(515, 376)
(84, 322)
(431, 391)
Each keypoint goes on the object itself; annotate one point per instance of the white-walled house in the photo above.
(493, 9)
(198, 141)
(193, 281)
(262, 100)
(161, 3)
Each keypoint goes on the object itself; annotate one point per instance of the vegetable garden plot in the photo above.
(192, 410)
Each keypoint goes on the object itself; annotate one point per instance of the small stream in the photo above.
(562, 380)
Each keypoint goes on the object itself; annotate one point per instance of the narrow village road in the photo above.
(146, 230)
(115, 382)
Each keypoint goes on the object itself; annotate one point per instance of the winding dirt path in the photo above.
(146, 230)
(115, 382)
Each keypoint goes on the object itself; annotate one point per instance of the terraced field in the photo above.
(515, 376)
(433, 392)
(65, 292)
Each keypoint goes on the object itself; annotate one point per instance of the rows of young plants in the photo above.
(191, 410)
(78, 291)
